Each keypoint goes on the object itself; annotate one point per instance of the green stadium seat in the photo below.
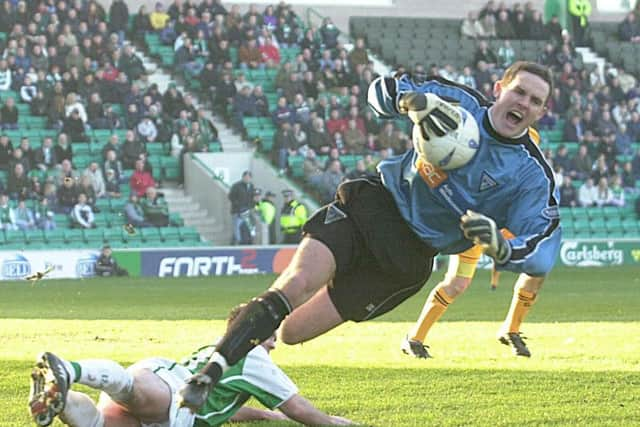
(169, 234)
(111, 236)
(54, 237)
(189, 234)
(93, 235)
(32, 237)
(176, 219)
(151, 235)
(73, 236)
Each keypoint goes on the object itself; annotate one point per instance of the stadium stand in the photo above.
(87, 45)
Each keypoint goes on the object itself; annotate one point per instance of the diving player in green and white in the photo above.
(145, 393)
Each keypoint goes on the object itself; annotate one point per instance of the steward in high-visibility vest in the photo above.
(267, 210)
(292, 217)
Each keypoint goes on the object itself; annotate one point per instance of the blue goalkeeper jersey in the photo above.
(507, 180)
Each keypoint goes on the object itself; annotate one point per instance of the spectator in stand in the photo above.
(319, 139)
(67, 196)
(18, 183)
(186, 60)
(312, 168)
(44, 157)
(158, 18)
(178, 140)
(27, 154)
(336, 123)
(259, 99)
(504, 28)
(520, 25)
(39, 104)
(96, 179)
(282, 113)
(471, 26)
(579, 12)
(249, 55)
(485, 54)
(119, 18)
(9, 115)
(536, 28)
(604, 196)
(243, 106)
(360, 171)
(82, 214)
(112, 185)
(284, 144)
(617, 191)
(131, 150)
(172, 101)
(19, 158)
(568, 193)
(270, 54)
(292, 87)
(388, 138)
(562, 158)
(629, 30)
(354, 139)
(86, 188)
(134, 213)
(554, 30)
(147, 129)
(587, 194)
(155, 208)
(506, 54)
(7, 221)
(44, 215)
(66, 171)
(329, 34)
(573, 131)
(74, 127)
(628, 177)
(605, 125)
(359, 54)
(623, 141)
(112, 145)
(28, 90)
(140, 179)
(330, 180)
(6, 152)
(5, 74)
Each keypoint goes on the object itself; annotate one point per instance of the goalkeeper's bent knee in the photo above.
(254, 324)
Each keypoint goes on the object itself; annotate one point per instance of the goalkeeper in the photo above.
(373, 247)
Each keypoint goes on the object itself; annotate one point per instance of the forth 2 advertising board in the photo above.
(215, 261)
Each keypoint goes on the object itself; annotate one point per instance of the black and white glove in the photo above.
(435, 116)
(482, 230)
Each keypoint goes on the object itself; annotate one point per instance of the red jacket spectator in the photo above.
(270, 52)
(141, 180)
(335, 123)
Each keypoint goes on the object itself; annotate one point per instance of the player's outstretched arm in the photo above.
(300, 409)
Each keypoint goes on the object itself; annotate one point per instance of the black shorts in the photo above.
(380, 261)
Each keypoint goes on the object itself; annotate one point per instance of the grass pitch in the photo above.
(583, 331)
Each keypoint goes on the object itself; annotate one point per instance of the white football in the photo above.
(453, 150)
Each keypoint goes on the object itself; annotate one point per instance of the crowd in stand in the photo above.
(76, 70)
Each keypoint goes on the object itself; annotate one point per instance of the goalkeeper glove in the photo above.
(482, 230)
(435, 116)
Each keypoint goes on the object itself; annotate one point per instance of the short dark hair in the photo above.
(530, 67)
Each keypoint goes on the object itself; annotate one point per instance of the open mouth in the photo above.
(514, 117)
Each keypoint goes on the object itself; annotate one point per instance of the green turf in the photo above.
(585, 368)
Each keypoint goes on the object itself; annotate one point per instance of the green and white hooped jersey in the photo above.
(254, 376)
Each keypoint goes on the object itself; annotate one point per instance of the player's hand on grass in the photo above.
(435, 116)
(482, 230)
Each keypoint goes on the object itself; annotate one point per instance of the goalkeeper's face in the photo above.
(519, 104)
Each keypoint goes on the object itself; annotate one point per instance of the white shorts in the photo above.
(174, 375)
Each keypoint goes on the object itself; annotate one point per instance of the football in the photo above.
(453, 150)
